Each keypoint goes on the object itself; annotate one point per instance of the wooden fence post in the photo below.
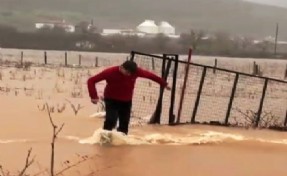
(96, 62)
(45, 57)
(80, 59)
(66, 59)
(22, 58)
(285, 76)
(153, 64)
(215, 66)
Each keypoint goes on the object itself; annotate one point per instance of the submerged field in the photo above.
(149, 149)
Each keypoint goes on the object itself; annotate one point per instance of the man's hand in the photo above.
(95, 101)
(167, 87)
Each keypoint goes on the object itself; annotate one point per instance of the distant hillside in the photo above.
(278, 3)
(233, 16)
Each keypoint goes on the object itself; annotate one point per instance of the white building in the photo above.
(53, 24)
(111, 32)
(44, 25)
(125, 32)
(166, 28)
(148, 26)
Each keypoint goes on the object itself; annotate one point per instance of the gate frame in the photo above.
(172, 117)
(167, 60)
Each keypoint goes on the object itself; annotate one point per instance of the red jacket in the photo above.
(119, 86)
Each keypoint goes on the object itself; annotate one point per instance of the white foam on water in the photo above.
(9, 141)
(72, 138)
(111, 137)
(98, 115)
(116, 138)
(278, 141)
(104, 137)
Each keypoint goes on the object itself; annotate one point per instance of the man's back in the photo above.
(120, 86)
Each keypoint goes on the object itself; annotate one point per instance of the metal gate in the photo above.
(208, 95)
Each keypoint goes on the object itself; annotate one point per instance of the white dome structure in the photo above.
(166, 28)
(148, 26)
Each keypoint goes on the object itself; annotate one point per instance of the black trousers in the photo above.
(115, 110)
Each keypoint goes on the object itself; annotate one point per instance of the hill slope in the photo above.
(278, 3)
(233, 16)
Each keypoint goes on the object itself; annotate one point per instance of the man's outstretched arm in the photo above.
(149, 75)
(91, 83)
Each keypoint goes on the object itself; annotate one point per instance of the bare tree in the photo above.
(192, 39)
(28, 163)
(196, 37)
(69, 166)
(56, 131)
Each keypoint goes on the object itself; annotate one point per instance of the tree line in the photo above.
(219, 44)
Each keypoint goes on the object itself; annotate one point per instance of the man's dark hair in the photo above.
(130, 66)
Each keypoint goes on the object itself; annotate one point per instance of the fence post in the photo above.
(80, 59)
(22, 56)
(231, 98)
(45, 57)
(254, 71)
(285, 76)
(285, 122)
(157, 114)
(96, 62)
(198, 95)
(215, 66)
(132, 56)
(261, 103)
(184, 85)
(66, 59)
(152, 62)
(171, 108)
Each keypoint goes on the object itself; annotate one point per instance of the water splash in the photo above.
(116, 138)
(104, 137)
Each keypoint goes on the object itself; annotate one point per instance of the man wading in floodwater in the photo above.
(118, 92)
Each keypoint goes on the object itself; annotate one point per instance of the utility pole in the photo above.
(276, 38)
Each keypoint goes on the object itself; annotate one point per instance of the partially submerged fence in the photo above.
(204, 94)
(11, 57)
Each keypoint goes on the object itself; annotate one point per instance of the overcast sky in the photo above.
(280, 3)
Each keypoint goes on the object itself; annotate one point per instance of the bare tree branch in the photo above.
(267, 118)
(27, 163)
(75, 109)
(83, 159)
(2, 171)
(55, 133)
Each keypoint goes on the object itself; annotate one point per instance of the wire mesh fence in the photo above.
(274, 106)
(246, 100)
(146, 92)
(213, 95)
(190, 94)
